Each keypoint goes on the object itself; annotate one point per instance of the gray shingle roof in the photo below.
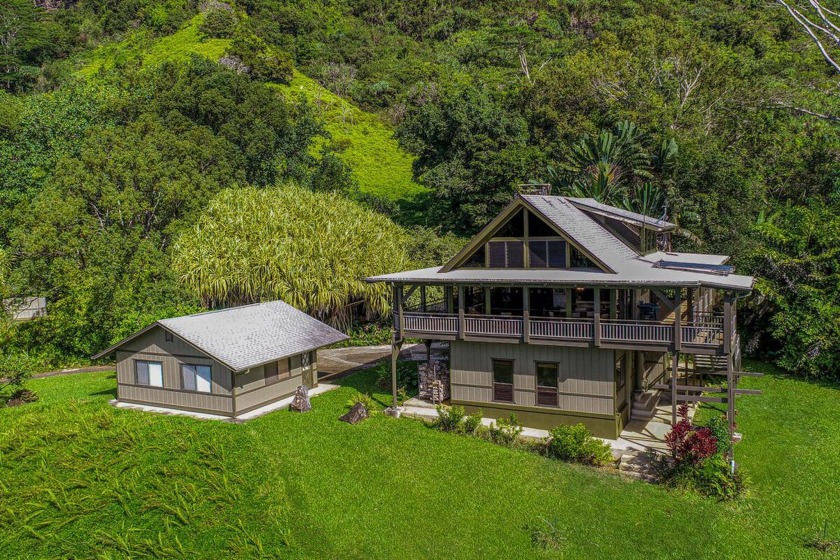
(628, 268)
(251, 335)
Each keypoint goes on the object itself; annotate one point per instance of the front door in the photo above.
(308, 370)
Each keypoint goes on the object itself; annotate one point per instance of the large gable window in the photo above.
(580, 260)
(506, 254)
(547, 253)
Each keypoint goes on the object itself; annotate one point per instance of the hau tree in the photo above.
(310, 249)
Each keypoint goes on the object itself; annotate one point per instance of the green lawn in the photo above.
(80, 478)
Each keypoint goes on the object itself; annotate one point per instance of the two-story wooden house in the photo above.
(562, 309)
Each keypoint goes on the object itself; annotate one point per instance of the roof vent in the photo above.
(541, 189)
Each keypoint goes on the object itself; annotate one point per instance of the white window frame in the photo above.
(154, 373)
(202, 377)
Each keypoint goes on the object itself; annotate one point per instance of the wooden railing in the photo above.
(642, 331)
(441, 323)
(492, 325)
(571, 329)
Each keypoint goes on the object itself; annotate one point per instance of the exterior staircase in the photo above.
(710, 364)
(644, 405)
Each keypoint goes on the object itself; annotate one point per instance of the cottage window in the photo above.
(167, 336)
(149, 373)
(277, 371)
(547, 383)
(196, 377)
(503, 380)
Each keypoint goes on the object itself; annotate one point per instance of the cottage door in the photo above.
(308, 371)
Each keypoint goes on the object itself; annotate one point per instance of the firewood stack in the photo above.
(434, 381)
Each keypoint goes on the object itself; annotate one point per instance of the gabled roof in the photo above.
(622, 266)
(247, 336)
(595, 207)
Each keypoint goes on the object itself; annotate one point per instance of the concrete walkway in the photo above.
(281, 404)
(335, 363)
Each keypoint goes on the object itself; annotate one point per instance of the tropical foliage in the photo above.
(481, 97)
(310, 249)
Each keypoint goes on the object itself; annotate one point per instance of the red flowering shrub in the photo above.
(689, 444)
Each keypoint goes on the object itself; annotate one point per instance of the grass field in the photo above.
(79, 478)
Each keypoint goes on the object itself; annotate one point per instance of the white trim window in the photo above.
(149, 373)
(196, 377)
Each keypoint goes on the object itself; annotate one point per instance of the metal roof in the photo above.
(248, 336)
(636, 276)
(626, 266)
(604, 209)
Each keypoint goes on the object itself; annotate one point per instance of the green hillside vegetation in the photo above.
(143, 46)
(433, 113)
(361, 139)
(81, 479)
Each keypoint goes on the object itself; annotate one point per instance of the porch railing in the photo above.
(492, 325)
(572, 329)
(440, 323)
(642, 331)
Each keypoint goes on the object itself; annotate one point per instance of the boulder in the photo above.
(300, 402)
(356, 414)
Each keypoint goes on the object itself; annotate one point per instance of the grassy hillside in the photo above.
(79, 478)
(366, 142)
(360, 139)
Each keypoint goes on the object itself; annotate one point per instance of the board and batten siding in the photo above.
(251, 391)
(153, 346)
(586, 375)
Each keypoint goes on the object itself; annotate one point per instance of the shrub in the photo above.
(697, 460)
(364, 398)
(711, 477)
(688, 443)
(449, 418)
(505, 431)
(472, 422)
(720, 429)
(577, 445)
(219, 23)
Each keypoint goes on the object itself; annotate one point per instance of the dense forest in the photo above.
(132, 134)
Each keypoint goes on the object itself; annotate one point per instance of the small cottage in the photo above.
(226, 362)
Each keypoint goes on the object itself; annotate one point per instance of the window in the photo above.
(503, 380)
(506, 254)
(476, 260)
(277, 371)
(579, 260)
(547, 383)
(306, 360)
(196, 377)
(167, 336)
(149, 373)
(547, 253)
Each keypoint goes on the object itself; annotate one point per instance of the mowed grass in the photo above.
(79, 478)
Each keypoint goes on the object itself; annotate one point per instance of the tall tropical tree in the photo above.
(310, 249)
